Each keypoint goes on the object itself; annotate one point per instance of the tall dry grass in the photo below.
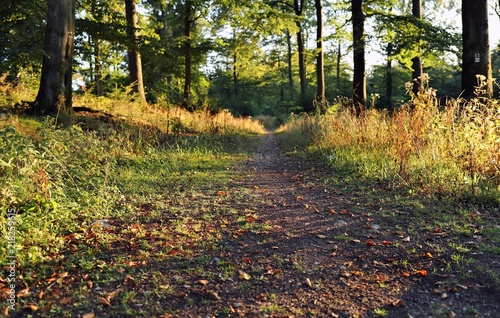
(171, 119)
(449, 149)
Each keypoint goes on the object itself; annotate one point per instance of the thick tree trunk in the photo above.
(320, 62)
(55, 92)
(416, 62)
(134, 57)
(359, 78)
(187, 54)
(476, 59)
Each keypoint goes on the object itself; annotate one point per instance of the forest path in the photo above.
(317, 246)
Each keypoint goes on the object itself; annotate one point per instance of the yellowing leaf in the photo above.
(243, 276)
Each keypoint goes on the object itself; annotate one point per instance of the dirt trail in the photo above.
(309, 253)
(315, 248)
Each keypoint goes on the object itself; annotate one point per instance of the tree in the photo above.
(55, 92)
(134, 57)
(476, 59)
(359, 76)
(320, 60)
(298, 7)
(417, 60)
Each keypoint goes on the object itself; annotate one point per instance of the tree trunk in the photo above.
(320, 65)
(187, 54)
(339, 60)
(134, 57)
(476, 59)
(99, 85)
(290, 68)
(417, 61)
(359, 78)
(299, 8)
(388, 79)
(55, 92)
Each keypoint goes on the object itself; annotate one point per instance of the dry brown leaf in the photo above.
(180, 294)
(31, 306)
(104, 301)
(88, 315)
(202, 282)
(308, 282)
(65, 301)
(23, 293)
(4, 312)
(398, 303)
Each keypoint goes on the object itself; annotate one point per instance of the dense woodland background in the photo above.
(249, 57)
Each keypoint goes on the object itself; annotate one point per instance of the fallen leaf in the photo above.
(243, 276)
(88, 315)
(103, 301)
(31, 306)
(429, 255)
(4, 312)
(308, 282)
(387, 243)
(421, 272)
(370, 242)
(65, 301)
(321, 236)
(180, 294)
(202, 282)
(23, 293)
(405, 274)
(398, 303)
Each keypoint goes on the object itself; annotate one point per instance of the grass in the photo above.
(96, 201)
(423, 146)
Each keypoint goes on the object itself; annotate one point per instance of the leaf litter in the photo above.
(307, 248)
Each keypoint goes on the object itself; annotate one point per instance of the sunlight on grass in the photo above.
(432, 146)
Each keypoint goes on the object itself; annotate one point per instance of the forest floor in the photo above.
(287, 236)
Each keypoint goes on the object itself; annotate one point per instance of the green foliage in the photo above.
(22, 29)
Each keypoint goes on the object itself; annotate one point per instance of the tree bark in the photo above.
(188, 21)
(417, 61)
(134, 57)
(299, 8)
(55, 92)
(320, 62)
(290, 68)
(388, 79)
(359, 78)
(476, 58)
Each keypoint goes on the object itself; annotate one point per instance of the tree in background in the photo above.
(320, 57)
(416, 62)
(134, 56)
(359, 76)
(22, 25)
(55, 92)
(476, 59)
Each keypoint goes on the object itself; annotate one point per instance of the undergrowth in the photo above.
(425, 146)
(61, 180)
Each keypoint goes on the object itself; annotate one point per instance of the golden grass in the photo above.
(447, 148)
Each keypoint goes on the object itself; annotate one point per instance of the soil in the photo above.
(325, 250)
